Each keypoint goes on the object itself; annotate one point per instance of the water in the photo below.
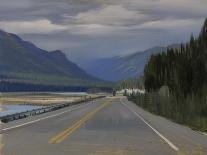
(71, 93)
(12, 109)
(7, 109)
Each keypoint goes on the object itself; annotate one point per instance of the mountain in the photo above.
(121, 67)
(22, 61)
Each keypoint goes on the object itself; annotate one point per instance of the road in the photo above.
(109, 126)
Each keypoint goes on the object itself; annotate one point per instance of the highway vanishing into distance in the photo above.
(108, 126)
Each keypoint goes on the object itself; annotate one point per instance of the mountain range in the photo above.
(121, 67)
(22, 61)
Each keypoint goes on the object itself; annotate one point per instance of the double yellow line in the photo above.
(61, 136)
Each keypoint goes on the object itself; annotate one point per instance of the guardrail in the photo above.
(16, 116)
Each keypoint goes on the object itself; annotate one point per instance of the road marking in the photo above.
(40, 119)
(157, 132)
(63, 135)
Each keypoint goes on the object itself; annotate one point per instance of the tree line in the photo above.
(183, 71)
(130, 83)
(8, 86)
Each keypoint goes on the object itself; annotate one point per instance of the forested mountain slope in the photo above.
(121, 67)
(22, 61)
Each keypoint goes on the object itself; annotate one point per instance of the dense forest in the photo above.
(181, 74)
(183, 70)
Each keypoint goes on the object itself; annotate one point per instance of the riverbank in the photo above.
(43, 99)
(9, 109)
(36, 110)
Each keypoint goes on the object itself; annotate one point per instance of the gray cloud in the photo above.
(102, 27)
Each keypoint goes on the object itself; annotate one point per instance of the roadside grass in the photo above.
(179, 111)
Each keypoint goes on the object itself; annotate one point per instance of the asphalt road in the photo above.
(110, 126)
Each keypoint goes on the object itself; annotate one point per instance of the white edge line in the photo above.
(157, 132)
(40, 119)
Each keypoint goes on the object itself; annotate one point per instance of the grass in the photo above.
(189, 112)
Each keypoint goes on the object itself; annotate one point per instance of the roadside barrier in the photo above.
(16, 116)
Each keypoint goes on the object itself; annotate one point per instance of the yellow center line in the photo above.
(63, 135)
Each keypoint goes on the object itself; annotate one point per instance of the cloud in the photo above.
(12, 4)
(172, 24)
(171, 8)
(187, 8)
(181, 26)
(36, 26)
(90, 29)
(110, 15)
(104, 20)
(95, 27)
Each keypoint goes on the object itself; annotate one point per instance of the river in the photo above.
(7, 109)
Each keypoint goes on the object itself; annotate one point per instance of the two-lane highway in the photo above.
(110, 126)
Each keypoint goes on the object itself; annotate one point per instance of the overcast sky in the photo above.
(102, 28)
